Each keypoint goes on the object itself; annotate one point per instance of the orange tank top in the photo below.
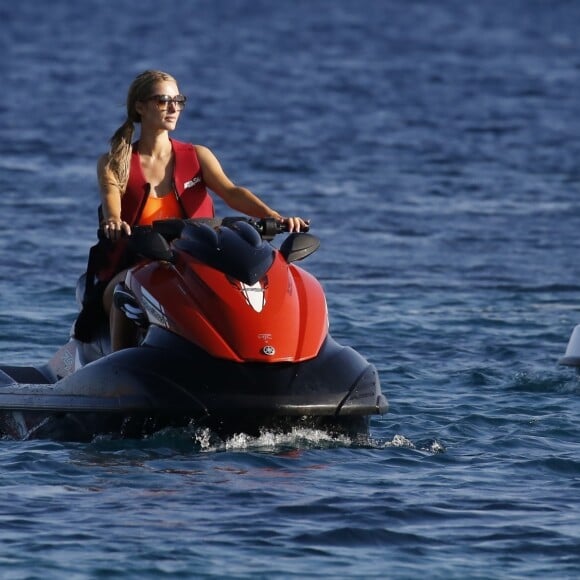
(159, 208)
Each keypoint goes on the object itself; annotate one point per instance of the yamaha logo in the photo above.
(269, 350)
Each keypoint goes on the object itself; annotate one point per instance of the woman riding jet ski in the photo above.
(234, 336)
(232, 333)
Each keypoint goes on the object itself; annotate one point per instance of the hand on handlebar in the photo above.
(296, 224)
(114, 229)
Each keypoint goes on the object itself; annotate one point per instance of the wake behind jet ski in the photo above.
(233, 337)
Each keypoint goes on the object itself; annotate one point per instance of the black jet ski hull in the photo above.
(167, 381)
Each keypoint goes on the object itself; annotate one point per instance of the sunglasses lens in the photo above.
(179, 102)
(164, 100)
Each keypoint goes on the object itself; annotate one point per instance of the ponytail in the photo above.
(119, 159)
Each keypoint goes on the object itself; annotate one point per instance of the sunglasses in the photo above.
(162, 101)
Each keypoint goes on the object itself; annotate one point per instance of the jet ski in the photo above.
(233, 336)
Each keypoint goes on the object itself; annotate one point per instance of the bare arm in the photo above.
(110, 192)
(238, 198)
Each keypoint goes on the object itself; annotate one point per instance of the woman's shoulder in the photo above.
(186, 145)
(202, 151)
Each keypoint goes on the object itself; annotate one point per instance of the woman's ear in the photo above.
(139, 106)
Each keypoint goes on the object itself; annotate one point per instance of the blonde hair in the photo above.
(119, 157)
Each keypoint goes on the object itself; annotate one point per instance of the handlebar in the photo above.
(171, 228)
(154, 241)
(267, 227)
(270, 227)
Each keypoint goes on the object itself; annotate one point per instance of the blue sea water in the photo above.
(436, 148)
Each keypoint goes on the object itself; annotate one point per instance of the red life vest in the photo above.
(188, 184)
(189, 188)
